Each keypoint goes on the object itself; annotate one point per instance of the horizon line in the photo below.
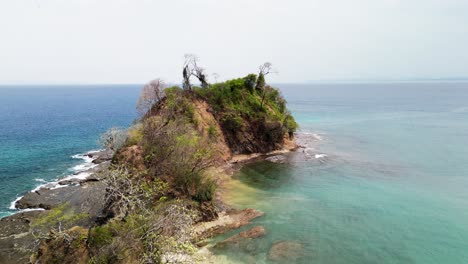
(318, 81)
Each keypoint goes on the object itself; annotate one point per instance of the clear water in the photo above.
(393, 187)
(42, 127)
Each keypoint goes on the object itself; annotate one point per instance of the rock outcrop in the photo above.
(16, 238)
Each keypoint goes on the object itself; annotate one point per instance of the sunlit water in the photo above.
(391, 187)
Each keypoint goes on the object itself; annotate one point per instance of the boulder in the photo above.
(101, 156)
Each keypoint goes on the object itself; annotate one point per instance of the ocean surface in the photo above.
(43, 129)
(383, 177)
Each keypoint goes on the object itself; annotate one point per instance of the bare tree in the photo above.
(114, 138)
(215, 76)
(263, 70)
(151, 93)
(191, 68)
(266, 68)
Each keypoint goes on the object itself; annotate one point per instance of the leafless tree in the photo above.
(114, 138)
(263, 70)
(191, 68)
(215, 76)
(151, 93)
(266, 68)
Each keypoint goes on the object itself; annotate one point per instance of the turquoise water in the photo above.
(392, 188)
(42, 127)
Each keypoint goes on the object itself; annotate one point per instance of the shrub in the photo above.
(212, 131)
(135, 134)
(205, 191)
(250, 81)
(100, 236)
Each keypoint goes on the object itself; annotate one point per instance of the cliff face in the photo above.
(235, 117)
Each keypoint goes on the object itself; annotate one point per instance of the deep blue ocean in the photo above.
(42, 127)
(383, 177)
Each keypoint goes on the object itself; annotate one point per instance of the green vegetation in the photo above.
(236, 100)
(62, 215)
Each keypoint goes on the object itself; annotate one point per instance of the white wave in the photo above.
(316, 136)
(319, 156)
(31, 209)
(13, 204)
(88, 161)
(80, 174)
(83, 167)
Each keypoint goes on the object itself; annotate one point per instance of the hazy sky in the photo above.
(133, 41)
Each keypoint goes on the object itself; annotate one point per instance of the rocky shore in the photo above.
(82, 195)
(87, 196)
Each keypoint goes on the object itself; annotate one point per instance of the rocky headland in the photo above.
(155, 195)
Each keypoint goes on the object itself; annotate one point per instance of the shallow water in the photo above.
(384, 177)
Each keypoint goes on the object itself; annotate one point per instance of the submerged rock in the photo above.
(243, 238)
(225, 222)
(277, 159)
(285, 251)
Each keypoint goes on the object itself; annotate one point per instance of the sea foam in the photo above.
(80, 174)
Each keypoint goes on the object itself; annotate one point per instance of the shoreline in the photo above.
(87, 196)
(82, 173)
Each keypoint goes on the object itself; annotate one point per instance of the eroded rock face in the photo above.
(285, 251)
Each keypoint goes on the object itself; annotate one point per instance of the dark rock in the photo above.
(93, 175)
(101, 156)
(16, 239)
(88, 198)
(208, 211)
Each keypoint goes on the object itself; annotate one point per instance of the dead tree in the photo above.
(113, 138)
(151, 93)
(263, 70)
(191, 68)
